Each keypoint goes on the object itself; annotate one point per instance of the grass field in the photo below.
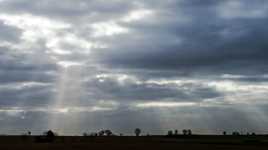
(131, 143)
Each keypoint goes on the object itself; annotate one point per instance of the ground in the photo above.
(132, 143)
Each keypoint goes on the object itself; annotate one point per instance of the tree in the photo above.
(224, 133)
(176, 132)
(235, 133)
(170, 133)
(137, 131)
(101, 133)
(184, 132)
(108, 132)
(50, 134)
(189, 131)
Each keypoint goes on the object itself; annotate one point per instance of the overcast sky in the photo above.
(78, 66)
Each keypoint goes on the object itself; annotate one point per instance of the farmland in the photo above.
(193, 142)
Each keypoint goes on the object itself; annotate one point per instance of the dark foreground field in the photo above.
(130, 143)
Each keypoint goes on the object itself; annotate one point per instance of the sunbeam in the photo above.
(68, 92)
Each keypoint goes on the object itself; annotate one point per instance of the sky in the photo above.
(77, 66)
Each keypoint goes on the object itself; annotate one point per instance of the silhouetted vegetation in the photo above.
(176, 132)
(100, 133)
(184, 132)
(137, 131)
(48, 137)
(170, 133)
(98, 140)
(187, 132)
(235, 133)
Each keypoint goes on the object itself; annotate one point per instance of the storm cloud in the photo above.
(123, 64)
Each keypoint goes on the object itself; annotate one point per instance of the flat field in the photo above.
(194, 142)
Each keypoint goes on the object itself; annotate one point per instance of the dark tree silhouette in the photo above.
(184, 132)
(189, 132)
(137, 131)
(176, 132)
(101, 133)
(50, 134)
(224, 133)
(170, 133)
(235, 133)
(108, 132)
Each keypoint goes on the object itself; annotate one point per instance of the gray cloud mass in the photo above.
(117, 64)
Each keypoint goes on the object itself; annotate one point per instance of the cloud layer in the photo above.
(114, 64)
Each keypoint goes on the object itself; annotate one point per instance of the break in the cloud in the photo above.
(123, 64)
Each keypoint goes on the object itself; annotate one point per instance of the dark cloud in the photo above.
(128, 90)
(20, 68)
(31, 95)
(113, 55)
(215, 45)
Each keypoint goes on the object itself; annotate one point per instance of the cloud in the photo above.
(197, 61)
(241, 9)
(8, 33)
(200, 44)
(124, 88)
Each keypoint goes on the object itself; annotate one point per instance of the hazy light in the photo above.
(61, 52)
(137, 15)
(14, 111)
(27, 21)
(23, 85)
(236, 87)
(67, 64)
(231, 76)
(107, 29)
(34, 27)
(164, 104)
